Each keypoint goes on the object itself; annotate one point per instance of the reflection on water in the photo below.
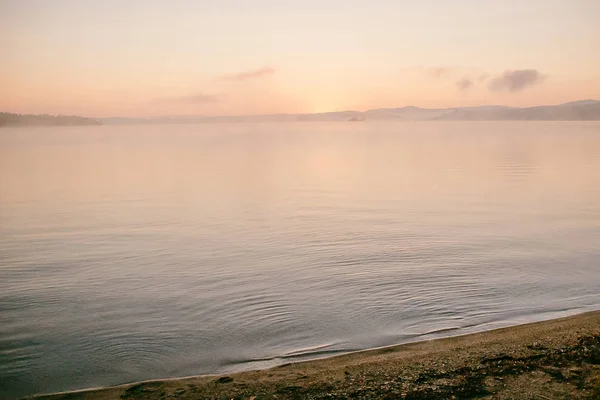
(143, 252)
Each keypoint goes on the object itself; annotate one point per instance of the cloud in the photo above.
(438, 72)
(464, 84)
(516, 80)
(197, 98)
(242, 76)
(430, 72)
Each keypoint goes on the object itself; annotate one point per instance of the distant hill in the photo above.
(8, 119)
(584, 110)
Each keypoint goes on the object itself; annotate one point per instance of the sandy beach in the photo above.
(556, 359)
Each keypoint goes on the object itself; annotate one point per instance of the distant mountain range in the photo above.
(584, 110)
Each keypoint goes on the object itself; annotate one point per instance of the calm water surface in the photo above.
(141, 252)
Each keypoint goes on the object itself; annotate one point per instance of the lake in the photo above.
(140, 252)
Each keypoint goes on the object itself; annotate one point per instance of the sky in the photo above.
(224, 57)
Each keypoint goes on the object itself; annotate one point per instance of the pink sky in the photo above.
(184, 57)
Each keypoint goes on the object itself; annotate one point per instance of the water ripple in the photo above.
(137, 253)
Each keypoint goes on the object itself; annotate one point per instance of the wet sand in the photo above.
(557, 359)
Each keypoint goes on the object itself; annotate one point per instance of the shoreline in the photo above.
(557, 358)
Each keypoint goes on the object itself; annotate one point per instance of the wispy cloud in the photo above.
(510, 80)
(516, 80)
(464, 84)
(435, 72)
(253, 74)
(196, 98)
(438, 72)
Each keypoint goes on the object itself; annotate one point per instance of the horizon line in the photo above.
(302, 113)
(341, 111)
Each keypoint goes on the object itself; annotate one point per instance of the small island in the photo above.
(357, 119)
(9, 119)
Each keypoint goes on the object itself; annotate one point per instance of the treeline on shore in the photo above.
(9, 119)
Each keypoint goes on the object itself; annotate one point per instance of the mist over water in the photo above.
(140, 252)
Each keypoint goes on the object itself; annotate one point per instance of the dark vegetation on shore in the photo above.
(9, 119)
